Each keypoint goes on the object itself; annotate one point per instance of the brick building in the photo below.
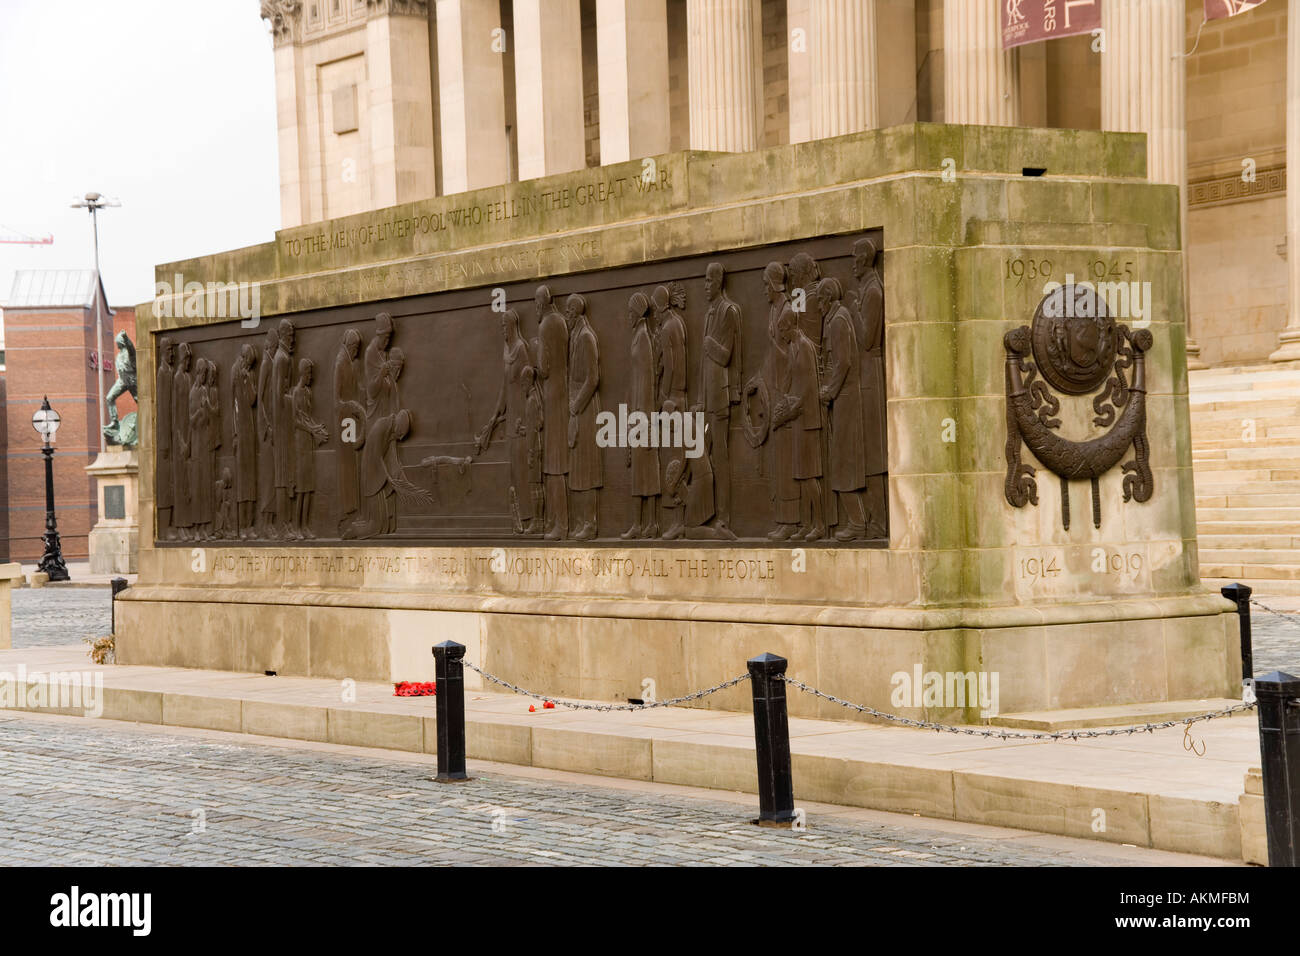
(50, 350)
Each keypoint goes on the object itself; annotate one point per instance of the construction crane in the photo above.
(7, 237)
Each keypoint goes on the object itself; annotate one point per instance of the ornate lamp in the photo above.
(46, 422)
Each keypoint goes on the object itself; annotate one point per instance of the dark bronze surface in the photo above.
(1077, 347)
(483, 415)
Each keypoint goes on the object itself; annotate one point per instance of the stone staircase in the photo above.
(1248, 491)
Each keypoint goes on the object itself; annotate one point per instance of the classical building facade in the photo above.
(382, 102)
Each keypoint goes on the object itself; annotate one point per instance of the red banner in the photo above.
(1222, 9)
(1029, 21)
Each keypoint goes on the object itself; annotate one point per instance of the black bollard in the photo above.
(450, 699)
(1278, 695)
(772, 739)
(1239, 594)
(118, 585)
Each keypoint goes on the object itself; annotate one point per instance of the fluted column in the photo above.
(471, 96)
(399, 102)
(1289, 341)
(981, 83)
(798, 21)
(632, 71)
(548, 87)
(1143, 90)
(725, 66)
(843, 60)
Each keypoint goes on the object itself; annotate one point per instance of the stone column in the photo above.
(286, 25)
(632, 69)
(843, 57)
(1289, 341)
(1143, 90)
(548, 87)
(798, 20)
(399, 101)
(981, 83)
(726, 63)
(471, 95)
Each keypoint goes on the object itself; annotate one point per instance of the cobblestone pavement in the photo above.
(50, 616)
(1275, 639)
(72, 792)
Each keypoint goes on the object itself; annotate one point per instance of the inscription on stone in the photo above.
(114, 501)
(732, 397)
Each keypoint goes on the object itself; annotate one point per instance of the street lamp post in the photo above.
(95, 202)
(46, 422)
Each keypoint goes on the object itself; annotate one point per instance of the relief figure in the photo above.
(586, 470)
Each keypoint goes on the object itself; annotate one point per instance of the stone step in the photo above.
(1248, 573)
(1277, 517)
(1289, 467)
(1212, 555)
(1248, 451)
(1236, 526)
(1237, 542)
(1248, 500)
(1271, 440)
(1243, 476)
(1223, 408)
(1263, 587)
(1228, 483)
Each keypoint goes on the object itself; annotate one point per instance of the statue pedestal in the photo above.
(115, 539)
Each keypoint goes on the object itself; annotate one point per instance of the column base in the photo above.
(1194, 360)
(1288, 346)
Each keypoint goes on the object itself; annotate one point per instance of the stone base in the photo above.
(114, 550)
(1098, 655)
(1288, 349)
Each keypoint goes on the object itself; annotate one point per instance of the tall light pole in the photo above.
(95, 202)
(46, 422)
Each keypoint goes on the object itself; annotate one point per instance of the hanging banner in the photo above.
(1222, 9)
(1029, 21)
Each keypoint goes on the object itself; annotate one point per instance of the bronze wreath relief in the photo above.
(1077, 347)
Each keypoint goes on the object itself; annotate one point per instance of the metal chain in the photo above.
(574, 705)
(1013, 734)
(1273, 610)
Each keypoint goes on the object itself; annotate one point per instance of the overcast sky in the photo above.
(167, 105)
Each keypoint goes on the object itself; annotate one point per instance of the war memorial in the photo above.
(911, 396)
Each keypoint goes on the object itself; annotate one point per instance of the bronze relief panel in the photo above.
(732, 397)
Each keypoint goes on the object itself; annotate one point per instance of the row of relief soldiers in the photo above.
(817, 404)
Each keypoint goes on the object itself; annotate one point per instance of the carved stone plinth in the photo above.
(433, 434)
(115, 538)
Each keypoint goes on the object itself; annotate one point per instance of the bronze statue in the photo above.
(511, 411)
(842, 392)
(348, 409)
(586, 471)
(644, 459)
(867, 306)
(122, 432)
(553, 370)
(204, 439)
(164, 475)
(308, 433)
(243, 386)
(805, 273)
